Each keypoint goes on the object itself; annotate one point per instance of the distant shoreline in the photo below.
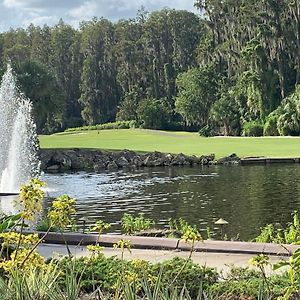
(74, 159)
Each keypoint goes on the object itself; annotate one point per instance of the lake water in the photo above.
(248, 197)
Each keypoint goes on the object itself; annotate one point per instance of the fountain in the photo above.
(18, 139)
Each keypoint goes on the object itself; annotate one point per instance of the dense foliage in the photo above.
(234, 68)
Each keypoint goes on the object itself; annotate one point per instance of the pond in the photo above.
(248, 197)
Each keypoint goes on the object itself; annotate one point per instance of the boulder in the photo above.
(137, 161)
(61, 159)
(128, 154)
(85, 159)
(194, 160)
(148, 162)
(231, 159)
(53, 169)
(179, 160)
(112, 166)
(162, 161)
(99, 167)
(45, 157)
(152, 159)
(122, 162)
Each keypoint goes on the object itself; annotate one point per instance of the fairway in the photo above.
(174, 142)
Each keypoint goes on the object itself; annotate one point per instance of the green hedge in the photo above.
(253, 128)
(106, 126)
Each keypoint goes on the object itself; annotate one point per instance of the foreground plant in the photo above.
(62, 212)
(261, 261)
(274, 234)
(61, 215)
(191, 235)
(36, 283)
(20, 247)
(8, 223)
(30, 200)
(99, 227)
(131, 224)
(293, 271)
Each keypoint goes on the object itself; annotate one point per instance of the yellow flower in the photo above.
(61, 211)
(131, 277)
(191, 235)
(123, 244)
(100, 226)
(24, 260)
(30, 200)
(14, 238)
(259, 260)
(95, 248)
(140, 264)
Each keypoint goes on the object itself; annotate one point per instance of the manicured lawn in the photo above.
(175, 142)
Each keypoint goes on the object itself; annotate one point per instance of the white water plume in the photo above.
(18, 139)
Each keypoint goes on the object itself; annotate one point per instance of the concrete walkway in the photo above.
(154, 243)
(221, 261)
(215, 254)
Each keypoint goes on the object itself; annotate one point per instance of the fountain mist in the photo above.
(18, 138)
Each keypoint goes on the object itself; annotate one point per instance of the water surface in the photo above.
(248, 197)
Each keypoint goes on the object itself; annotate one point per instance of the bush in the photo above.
(153, 114)
(270, 127)
(278, 234)
(104, 272)
(288, 122)
(253, 128)
(105, 126)
(131, 224)
(206, 131)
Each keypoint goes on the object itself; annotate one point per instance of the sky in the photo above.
(21, 13)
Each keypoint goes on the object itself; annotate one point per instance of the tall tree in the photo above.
(65, 60)
(99, 88)
(197, 91)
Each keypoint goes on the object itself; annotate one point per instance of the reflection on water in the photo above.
(246, 196)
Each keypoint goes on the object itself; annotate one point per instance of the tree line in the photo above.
(231, 69)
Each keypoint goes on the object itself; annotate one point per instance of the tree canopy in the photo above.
(234, 63)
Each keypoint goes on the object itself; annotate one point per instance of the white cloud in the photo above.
(13, 3)
(14, 13)
(40, 20)
(84, 11)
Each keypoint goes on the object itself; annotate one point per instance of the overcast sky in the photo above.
(20, 13)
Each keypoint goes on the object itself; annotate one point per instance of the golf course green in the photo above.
(174, 142)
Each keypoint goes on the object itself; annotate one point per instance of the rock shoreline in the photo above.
(64, 160)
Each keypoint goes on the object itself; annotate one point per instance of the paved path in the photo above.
(220, 261)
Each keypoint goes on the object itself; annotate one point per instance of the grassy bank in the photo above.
(175, 142)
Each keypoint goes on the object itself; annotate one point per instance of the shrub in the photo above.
(104, 272)
(153, 114)
(192, 277)
(105, 126)
(278, 234)
(253, 128)
(131, 224)
(206, 131)
(288, 115)
(270, 127)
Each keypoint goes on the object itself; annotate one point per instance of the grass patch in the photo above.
(174, 142)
